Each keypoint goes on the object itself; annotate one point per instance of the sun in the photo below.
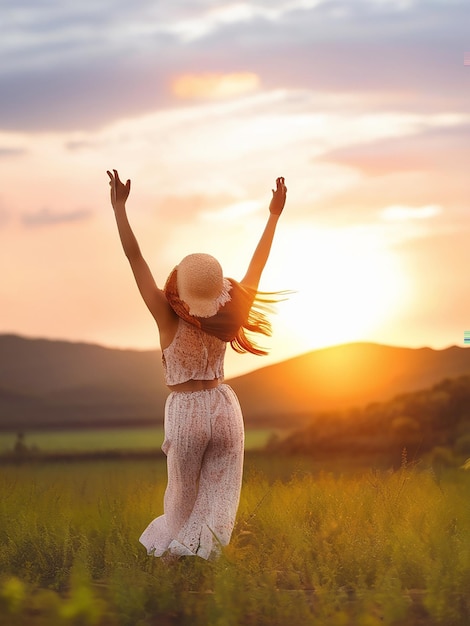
(347, 287)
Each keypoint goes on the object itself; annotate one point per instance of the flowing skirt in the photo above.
(204, 442)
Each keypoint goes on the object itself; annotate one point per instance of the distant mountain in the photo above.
(344, 376)
(46, 383)
(52, 383)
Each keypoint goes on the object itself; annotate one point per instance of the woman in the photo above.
(197, 313)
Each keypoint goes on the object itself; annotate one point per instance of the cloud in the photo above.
(82, 65)
(187, 207)
(400, 212)
(80, 96)
(214, 86)
(427, 167)
(204, 23)
(12, 152)
(46, 217)
(442, 147)
(80, 144)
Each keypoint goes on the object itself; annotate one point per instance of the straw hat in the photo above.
(201, 284)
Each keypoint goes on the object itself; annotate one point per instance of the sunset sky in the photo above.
(363, 106)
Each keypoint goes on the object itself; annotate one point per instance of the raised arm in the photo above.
(261, 254)
(153, 297)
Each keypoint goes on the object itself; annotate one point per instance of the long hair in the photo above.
(244, 314)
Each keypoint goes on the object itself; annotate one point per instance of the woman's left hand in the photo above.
(119, 190)
(279, 197)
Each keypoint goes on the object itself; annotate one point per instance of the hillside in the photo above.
(47, 383)
(345, 376)
(50, 383)
(432, 423)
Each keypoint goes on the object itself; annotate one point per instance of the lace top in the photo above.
(193, 355)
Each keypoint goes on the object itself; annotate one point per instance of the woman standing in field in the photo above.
(197, 313)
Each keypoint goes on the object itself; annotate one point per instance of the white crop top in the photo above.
(193, 355)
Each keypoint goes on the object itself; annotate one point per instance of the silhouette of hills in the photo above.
(47, 384)
(345, 376)
(432, 423)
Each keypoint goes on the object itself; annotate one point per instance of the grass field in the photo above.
(313, 548)
(107, 439)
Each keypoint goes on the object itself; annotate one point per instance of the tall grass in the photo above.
(320, 549)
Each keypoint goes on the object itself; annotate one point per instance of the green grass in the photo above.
(314, 548)
(95, 440)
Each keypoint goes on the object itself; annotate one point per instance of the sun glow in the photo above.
(347, 288)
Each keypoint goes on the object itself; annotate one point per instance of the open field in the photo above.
(100, 439)
(362, 549)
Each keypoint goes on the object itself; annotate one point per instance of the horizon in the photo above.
(363, 107)
(235, 368)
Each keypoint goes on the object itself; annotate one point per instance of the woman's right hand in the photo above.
(119, 190)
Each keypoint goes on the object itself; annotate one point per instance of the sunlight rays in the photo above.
(347, 286)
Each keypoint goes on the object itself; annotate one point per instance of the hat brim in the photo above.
(200, 307)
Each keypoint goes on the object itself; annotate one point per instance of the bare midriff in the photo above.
(195, 385)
